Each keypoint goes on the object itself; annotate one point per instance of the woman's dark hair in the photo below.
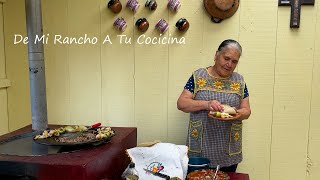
(230, 43)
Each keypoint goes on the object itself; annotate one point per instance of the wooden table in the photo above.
(106, 161)
(238, 176)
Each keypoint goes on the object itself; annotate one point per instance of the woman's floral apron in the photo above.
(220, 141)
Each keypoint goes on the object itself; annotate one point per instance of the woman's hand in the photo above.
(215, 106)
(244, 110)
(186, 103)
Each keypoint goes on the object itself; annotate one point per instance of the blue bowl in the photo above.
(197, 163)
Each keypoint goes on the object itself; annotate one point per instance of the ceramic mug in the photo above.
(174, 5)
(133, 5)
(162, 26)
(120, 24)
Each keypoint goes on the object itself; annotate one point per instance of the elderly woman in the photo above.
(208, 89)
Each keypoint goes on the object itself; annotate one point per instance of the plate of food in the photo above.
(207, 174)
(228, 113)
(75, 135)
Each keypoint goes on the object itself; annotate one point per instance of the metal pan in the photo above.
(54, 141)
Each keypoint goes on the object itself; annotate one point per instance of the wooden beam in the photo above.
(3, 1)
(4, 83)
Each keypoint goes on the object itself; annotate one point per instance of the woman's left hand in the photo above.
(244, 109)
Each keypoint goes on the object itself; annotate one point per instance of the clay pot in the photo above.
(151, 4)
(142, 24)
(221, 9)
(115, 6)
(182, 24)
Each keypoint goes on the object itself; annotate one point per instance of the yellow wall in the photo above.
(4, 83)
(16, 65)
(138, 85)
(313, 156)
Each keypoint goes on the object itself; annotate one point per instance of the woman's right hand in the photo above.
(215, 105)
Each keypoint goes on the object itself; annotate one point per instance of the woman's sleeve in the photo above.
(190, 85)
(246, 92)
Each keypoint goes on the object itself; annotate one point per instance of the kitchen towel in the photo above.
(165, 158)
